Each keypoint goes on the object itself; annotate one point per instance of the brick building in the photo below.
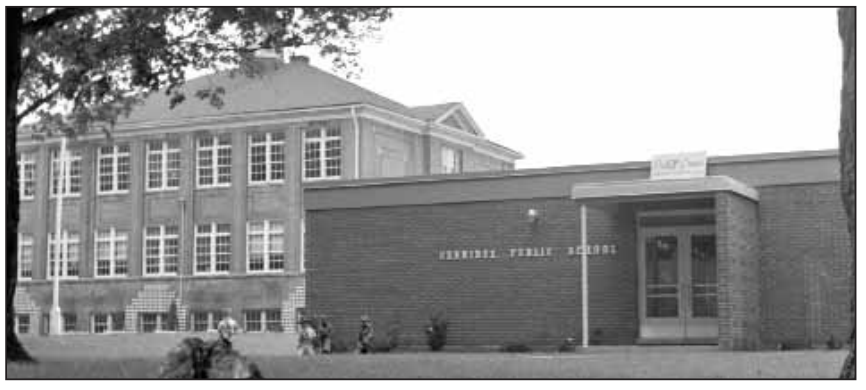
(193, 212)
(753, 254)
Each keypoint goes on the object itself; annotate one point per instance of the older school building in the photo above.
(194, 212)
(308, 193)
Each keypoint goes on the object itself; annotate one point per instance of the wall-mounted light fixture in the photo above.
(532, 216)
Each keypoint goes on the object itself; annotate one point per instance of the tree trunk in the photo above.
(848, 163)
(15, 352)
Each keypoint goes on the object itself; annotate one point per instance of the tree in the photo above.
(848, 163)
(77, 69)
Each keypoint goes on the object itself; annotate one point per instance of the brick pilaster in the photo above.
(136, 194)
(239, 198)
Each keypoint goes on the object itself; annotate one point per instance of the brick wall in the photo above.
(806, 264)
(384, 262)
(738, 251)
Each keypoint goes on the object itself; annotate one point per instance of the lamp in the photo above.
(532, 216)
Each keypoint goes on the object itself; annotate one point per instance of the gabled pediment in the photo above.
(458, 118)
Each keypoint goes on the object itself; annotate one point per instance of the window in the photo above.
(113, 169)
(71, 181)
(100, 323)
(111, 252)
(213, 248)
(25, 256)
(22, 323)
(70, 322)
(163, 165)
(215, 161)
(161, 249)
(152, 322)
(206, 321)
(26, 176)
(267, 158)
(70, 247)
(265, 246)
(263, 320)
(322, 153)
(107, 322)
(452, 160)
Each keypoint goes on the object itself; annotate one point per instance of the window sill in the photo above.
(112, 193)
(160, 190)
(265, 183)
(211, 187)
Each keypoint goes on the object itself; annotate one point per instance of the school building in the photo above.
(305, 192)
(190, 213)
(746, 252)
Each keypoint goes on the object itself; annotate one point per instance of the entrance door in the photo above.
(678, 284)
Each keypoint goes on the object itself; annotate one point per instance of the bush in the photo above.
(568, 345)
(437, 333)
(515, 348)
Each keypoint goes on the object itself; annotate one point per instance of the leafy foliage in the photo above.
(437, 332)
(84, 67)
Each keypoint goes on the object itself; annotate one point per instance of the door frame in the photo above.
(683, 234)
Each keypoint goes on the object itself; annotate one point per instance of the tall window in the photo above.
(70, 247)
(213, 248)
(152, 322)
(163, 165)
(25, 256)
(267, 157)
(70, 322)
(161, 250)
(111, 252)
(113, 167)
(206, 321)
(452, 160)
(215, 161)
(26, 176)
(72, 180)
(265, 250)
(107, 322)
(322, 153)
(263, 320)
(22, 323)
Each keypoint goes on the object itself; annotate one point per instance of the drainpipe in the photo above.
(55, 318)
(357, 143)
(584, 279)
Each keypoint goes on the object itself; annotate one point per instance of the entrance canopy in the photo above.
(649, 188)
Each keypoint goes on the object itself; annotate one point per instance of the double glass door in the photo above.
(678, 284)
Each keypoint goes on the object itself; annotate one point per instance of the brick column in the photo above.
(239, 199)
(43, 212)
(187, 192)
(292, 198)
(738, 253)
(136, 195)
(86, 210)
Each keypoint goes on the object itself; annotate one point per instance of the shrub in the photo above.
(515, 348)
(568, 345)
(437, 332)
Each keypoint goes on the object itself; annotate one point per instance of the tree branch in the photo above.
(48, 21)
(38, 103)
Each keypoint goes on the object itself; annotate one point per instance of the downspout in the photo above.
(357, 143)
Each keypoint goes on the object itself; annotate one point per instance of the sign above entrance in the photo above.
(679, 166)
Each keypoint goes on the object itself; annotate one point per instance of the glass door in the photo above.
(678, 283)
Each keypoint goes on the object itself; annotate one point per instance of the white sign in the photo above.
(679, 166)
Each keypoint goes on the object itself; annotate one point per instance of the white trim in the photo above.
(213, 150)
(23, 160)
(164, 151)
(267, 231)
(72, 157)
(114, 160)
(648, 187)
(113, 238)
(322, 142)
(212, 234)
(269, 163)
(66, 240)
(357, 143)
(21, 240)
(162, 237)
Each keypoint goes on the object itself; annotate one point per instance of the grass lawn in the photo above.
(138, 356)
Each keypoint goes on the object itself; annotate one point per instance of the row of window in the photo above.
(267, 163)
(265, 320)
(213, 244)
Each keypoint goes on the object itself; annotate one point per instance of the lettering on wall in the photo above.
(543, 252)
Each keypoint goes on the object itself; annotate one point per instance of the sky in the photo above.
(582, 86)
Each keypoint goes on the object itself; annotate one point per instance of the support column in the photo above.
(86, 209)
(136, 195)
(43, 213)
(239, 199)
(292, 198)
(738, 253)
(186, 191)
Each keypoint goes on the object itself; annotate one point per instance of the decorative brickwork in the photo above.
(155, 298)
(24, 305)
(296, 300)
(738, 249)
